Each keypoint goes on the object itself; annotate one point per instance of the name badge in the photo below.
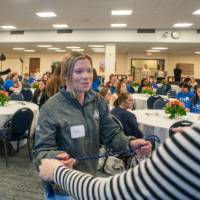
(77, 131)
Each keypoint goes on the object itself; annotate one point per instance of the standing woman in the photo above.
(160, 74)
(74, 121)
(40, 94)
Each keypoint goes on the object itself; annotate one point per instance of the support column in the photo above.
(110, 60)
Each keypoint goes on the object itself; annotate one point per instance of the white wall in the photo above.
(123, 61)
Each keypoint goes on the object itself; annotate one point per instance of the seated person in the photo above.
(127, 119)
(194, 104)
(12, 84)
(171, 173)
(185, 95)
(106, 93)
(40, 94)
(144, 82)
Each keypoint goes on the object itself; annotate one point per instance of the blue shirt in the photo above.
(194, 108)
(185, 97)
(8, 84)
(95, 85)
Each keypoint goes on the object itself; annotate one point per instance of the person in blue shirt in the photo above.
(194, 104)
(12, 84)
(185, 95)
(96, 82)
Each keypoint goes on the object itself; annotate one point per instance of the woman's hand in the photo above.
(66, 160)
(141, 147)
(47, 168)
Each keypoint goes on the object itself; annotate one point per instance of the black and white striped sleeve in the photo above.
(173, 172)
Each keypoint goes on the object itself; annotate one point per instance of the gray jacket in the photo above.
(63, 111)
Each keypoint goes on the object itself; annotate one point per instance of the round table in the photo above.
(157, 122)
(7, 111)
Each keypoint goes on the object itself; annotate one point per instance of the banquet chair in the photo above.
(159, 104)
(27, 94)
(172, 93)
(163, 90)
(151, 100)
(108, 149)
(16, 129)
(16, 96)
(183, 123)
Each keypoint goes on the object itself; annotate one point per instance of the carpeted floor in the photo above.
(20, 180)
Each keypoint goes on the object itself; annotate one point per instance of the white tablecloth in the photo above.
(7, 111)
(157, 122)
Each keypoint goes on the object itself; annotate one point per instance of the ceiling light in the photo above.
(197, 12)
(197, 52)
(60, 50)
(159, 48)
(29, 50)
(182, 25)
(96, 46)
(78, 50)
(60, 25)
(98, 50)
(118, 25)
(46, 14)
(73, 47)
(121, 12)
(9, 27)
(153, 50)
(53, 48)
(44, 45)
(18, 48)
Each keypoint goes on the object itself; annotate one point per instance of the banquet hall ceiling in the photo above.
(96, 14)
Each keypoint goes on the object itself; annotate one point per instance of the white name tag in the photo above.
(77, 131)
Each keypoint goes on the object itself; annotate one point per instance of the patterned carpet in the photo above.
(20, 180)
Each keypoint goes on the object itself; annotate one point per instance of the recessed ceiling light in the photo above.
(96, 46)
(153, 50)
(60, 50)
(121, 12)
(18, 48)
(44, 45)
(182, 25)
(9, 27)
(197, 12)
(159, 48)
(73, 47)
(118, 25)
(98, 49)
(46, 14)
(78, 50)
(53, 48)
(197, 52)
(60, 25)
(29, 50)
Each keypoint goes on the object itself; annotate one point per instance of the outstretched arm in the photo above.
(171, 173)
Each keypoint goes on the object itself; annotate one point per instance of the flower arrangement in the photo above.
(135, 85)
(175, 108)
(4, 98)
(147, 90)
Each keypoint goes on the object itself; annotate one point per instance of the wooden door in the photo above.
(34, 65)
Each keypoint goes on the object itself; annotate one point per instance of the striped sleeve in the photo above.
(173, 172)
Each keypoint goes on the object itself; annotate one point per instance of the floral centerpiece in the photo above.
(147, 90)
(175, 108)
(4, 98)
(35, 85)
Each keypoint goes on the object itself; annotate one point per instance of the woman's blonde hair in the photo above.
(67, 65)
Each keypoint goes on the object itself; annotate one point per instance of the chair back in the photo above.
(151, 100)
(163, 90)
(27, 93)
(160, 103)
(20, 123)
(182, 123)
(16, 96)
(172, 93)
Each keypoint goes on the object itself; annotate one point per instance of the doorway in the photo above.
(34, 65)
